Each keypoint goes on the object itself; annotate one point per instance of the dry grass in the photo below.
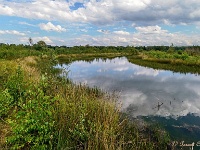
(28, 65)
(4, 132)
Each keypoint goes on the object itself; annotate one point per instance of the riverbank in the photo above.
(177, 61)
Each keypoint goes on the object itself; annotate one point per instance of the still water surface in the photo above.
(143, 91)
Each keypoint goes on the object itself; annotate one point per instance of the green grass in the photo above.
(182, 63)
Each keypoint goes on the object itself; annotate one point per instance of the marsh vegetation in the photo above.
(41, 110)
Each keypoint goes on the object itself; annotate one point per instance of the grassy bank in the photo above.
(177, 61)
(156, 64)
(39, 110)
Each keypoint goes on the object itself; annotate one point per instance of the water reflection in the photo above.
(143, 91)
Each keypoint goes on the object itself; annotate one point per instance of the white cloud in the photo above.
(167, 22)
(150, 29)
(121, 32)
(141, 12)
(46, 39)
(130, 5)
(6, 10)
(150, 35)
(28, 24)
(14, 32)
(145, 16)
(51, 27)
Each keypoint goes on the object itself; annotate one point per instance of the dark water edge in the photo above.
(184, 128)
(183, 132)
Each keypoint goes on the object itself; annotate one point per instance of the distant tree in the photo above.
(41, 45)
(87, 45)
(171, 49)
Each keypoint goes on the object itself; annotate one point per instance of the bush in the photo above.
(29, 112)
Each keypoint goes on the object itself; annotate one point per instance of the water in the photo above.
(155, 94)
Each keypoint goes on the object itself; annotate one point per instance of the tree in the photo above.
(171, 49)
(41, 45)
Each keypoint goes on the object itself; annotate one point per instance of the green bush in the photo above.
(29, 112)
(33, 126)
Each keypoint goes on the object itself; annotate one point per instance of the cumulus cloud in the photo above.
(14, 32)
(51, 27)
(144, 17)
(144, 36)
(141, 12)
(129, 5)
(38, 9)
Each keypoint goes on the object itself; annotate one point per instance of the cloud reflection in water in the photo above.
(141, 89)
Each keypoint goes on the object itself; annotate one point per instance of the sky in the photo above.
(101, 22)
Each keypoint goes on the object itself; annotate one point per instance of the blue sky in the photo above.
(100, 22)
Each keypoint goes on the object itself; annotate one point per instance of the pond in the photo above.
(159, 96)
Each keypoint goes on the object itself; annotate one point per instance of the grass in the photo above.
(182, 63)
(40, 110)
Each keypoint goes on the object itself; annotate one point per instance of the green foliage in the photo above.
(171, 49)
(33, 125)
(41, 45)
(15, 86)
(7, 68)
(31, 113)
(6, 103)
(55, 114)
(159, 136)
